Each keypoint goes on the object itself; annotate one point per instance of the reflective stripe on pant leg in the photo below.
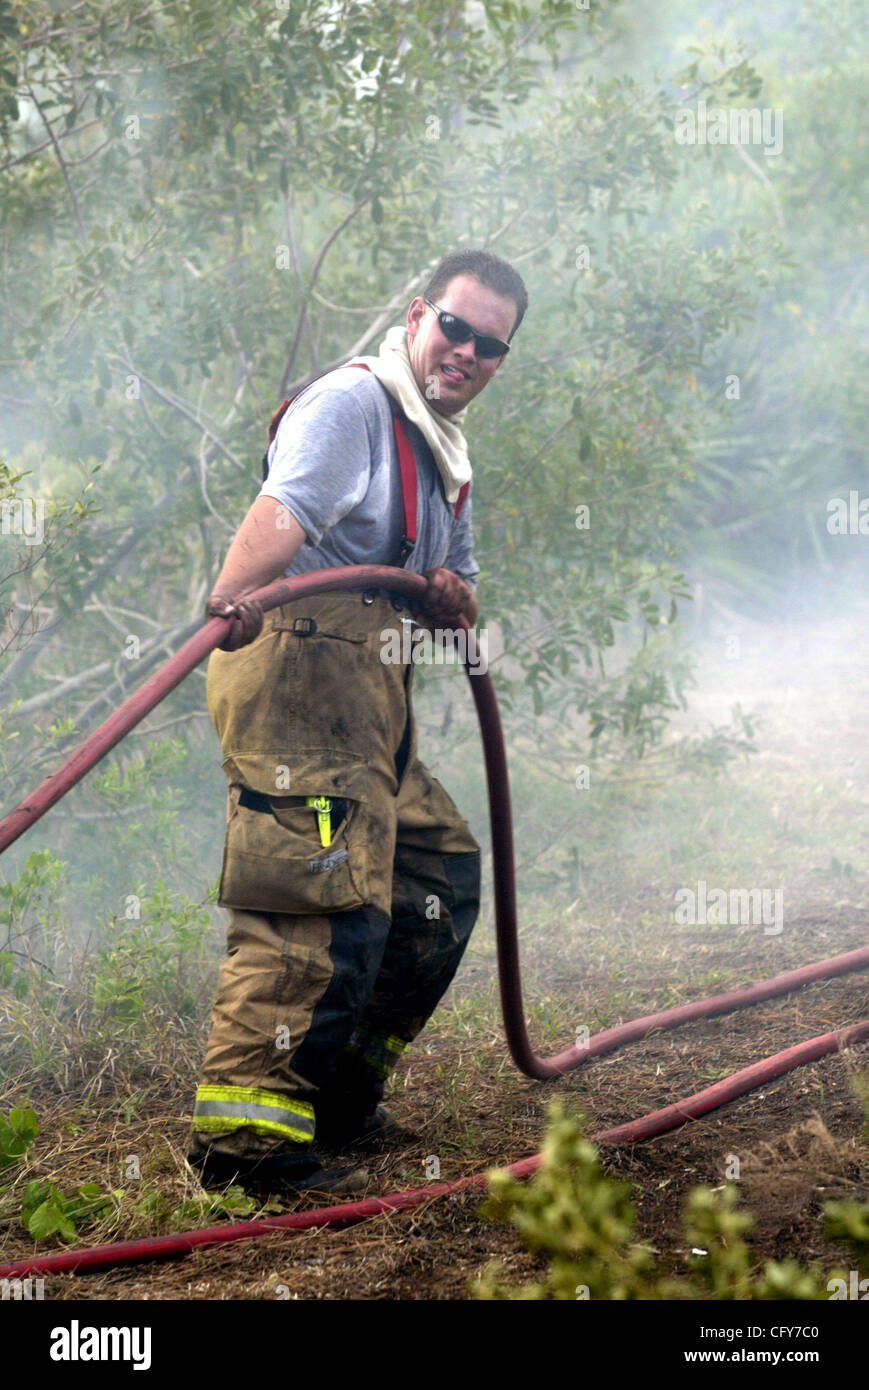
(221, 1109)
(378, 1051)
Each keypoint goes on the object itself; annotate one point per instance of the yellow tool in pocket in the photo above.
(323, 807)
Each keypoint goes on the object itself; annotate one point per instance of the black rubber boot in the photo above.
(282, 1172)
(355, 1130)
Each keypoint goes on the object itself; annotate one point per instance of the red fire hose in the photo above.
(413, 585)
(128, 1252)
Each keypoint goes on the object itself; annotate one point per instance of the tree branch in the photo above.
(317, 267)
(63, 169)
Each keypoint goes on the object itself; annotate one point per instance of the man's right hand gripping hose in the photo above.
(248, 615)
(446, 599)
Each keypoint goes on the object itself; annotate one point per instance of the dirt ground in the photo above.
(800, 1141)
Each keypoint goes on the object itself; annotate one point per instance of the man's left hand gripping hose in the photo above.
(248, 615)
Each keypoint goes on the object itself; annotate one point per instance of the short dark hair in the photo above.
(490, 270)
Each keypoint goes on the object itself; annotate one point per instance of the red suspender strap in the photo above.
(407, 467)
(406, 463)
(273, 429)
(276, 420)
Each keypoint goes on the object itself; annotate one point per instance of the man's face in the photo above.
(432, 353)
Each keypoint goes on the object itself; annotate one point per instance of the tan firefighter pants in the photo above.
(337, 951)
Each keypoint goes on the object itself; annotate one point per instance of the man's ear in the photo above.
(415, 312)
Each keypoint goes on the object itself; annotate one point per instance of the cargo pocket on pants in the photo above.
(274, 859)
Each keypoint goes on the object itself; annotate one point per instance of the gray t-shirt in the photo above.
(334, 464)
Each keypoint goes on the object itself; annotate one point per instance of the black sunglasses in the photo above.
(459, 332)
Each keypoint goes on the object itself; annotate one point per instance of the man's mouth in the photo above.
(454, 374)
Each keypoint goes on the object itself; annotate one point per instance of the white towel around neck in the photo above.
(443, 434)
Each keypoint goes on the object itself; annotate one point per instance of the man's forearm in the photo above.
(261, 549)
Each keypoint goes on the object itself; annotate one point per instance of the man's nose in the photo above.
(468, 349)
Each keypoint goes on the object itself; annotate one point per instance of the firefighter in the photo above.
(350, 878)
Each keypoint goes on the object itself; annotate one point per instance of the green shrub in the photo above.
(156, 959)
(581, 1222)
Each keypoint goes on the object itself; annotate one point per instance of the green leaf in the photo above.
(17, 1132)
(50, 1219)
